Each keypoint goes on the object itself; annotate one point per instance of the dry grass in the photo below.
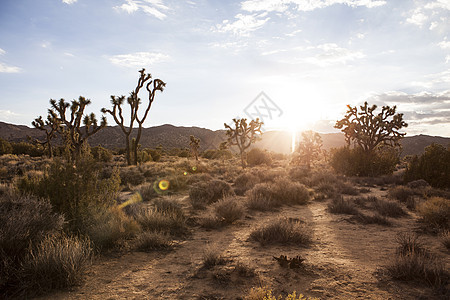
(213, 257)
(341, 206)
(56, 262)
(283, 231)
(372, 219)
(445, 239)
(170, 222)
(205, 193)
(389, 208)
(435, 212)
(229, 210)
(264, 293)
(148, 240)
(401, 193)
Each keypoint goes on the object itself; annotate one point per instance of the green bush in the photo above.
(101, 154)
(75, 190)
(5, 147)
(356, 162)
(433, 166)
(27, 148)
(256, 157)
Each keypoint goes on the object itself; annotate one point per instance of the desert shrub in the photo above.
(264, 293)
(256, 157)
(229, 210)
(244, 270)
(212, 257)
(435, 212)
(415, 263)
(299, 174)
(131, 175)
(433, 166)
(326, 188)
(195, 178)
(211, 222)
(150, 240)
(27, 148)
(148, 192)
(357, 162)
(445, 239)
(217, 154)
(401, 193)
(209, 192)
(341, 206)
(5, 147)
(245, 182)
(153, 153)
(107, 227)
(101, 154)
(283, 231)
(348, 189)
(389, 208)
(372, 219)
(169, 221)
(56, 262)
(265, 196)
(75, 190)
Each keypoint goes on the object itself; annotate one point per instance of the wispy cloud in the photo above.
(5, 68)
(303, 5)
(7, 115)
(138, 59)
(154, 8)
(434, 13)
(418, 98)
(243, 25)
(69, 1)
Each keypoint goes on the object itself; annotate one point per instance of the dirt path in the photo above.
(341, 264)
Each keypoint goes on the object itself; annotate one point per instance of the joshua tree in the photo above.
(71, 129)
(134, 102)
(50, 127)
(194, 144)
(309, 148)
(369, 130)
(243, 135)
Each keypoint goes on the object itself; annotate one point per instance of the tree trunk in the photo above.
(127, 149)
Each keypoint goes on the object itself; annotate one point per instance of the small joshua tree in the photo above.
(50, 127)
(71, 128)
(194, 144)
(243, 135)
(309, 148)
(134, 102)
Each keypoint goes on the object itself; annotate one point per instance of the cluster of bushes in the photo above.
(217, 154)
(20, 148)
(433, 166)
(208, 192)
(35, 255)
(357, 162)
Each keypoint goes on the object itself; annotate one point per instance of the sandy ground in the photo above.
(341, 263)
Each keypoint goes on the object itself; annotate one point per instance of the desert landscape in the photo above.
(242, 149)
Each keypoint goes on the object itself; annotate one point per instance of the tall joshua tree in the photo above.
(50, 127)
(243, 135)
(194, 144)
(71, 126)
(369, 130)
(134, 102)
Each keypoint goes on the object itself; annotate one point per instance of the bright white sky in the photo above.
(311, 58)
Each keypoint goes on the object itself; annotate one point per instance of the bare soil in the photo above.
(344, 261)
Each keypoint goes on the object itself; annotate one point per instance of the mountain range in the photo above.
(170, 136)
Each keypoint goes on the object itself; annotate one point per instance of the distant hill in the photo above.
(170, 136)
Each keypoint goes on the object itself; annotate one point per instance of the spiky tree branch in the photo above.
(50, 127)
(194, 144)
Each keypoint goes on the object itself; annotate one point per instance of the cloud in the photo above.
(303, 5)
(151, 7)
(4, 68)
(8, 115)
(69, 1)
(138, 59)
(419, 98)
(330, 54)
(424, 108)
(243, 25)
(418, 18)
(435, 80)
(434, 13)
(444, 44)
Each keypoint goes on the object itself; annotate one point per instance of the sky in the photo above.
(294, 63)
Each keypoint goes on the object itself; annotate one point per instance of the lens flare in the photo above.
(185, 173)
(135, 198)
(164, 185)
(194, 168)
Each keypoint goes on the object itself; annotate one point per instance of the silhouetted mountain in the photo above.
(170, 136)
